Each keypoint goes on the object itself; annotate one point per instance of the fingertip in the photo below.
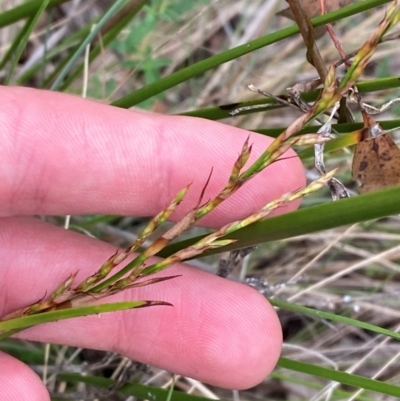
(264, 340)
(246, 350)
(219, 332)
(19, 382)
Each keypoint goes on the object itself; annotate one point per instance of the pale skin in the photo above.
(65, 155)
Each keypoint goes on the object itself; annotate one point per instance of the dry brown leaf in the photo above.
(376, 163)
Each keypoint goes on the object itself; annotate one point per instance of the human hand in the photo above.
(65, 155)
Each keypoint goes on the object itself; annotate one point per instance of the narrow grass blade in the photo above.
(23, 39)
(334, 318)
(334, 144)
(337, 395)
(340, 377)
(25, 10)
(13, 48)
(62, 314)
(140, 391)
(223, 111)
(70, 43)
(107, 38)
(342, 128)
(111, 11)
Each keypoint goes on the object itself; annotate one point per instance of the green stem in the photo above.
(340, 377)
(23, 39)
(111, 11)
(25, 10)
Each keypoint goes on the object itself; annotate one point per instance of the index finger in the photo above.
(65, 155)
